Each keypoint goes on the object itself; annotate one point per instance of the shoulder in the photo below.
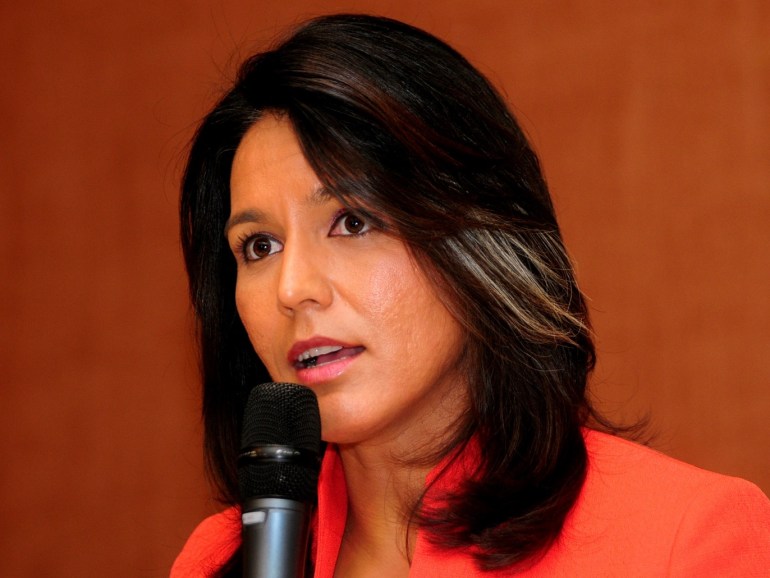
(621, 469)
(210, 546)
(653, 512)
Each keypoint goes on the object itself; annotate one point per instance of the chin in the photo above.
(341, 431)
(340, 435)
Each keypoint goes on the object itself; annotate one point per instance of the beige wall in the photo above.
(653, 128)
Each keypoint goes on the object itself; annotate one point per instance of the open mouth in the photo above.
(316, 356)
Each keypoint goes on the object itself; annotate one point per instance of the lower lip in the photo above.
(326, 372)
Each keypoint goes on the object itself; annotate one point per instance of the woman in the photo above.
(361, 214)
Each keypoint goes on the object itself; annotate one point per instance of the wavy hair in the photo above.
(400, 126)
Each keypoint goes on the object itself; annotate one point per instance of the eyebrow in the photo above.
(244, 217)
(316, 197)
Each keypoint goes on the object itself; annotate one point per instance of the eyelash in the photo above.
(343, 214)
(248, 239)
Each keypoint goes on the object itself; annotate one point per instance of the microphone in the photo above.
(278, 477)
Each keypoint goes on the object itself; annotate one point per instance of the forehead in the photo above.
(270, 178)
(270, 169)
(269, 165)
(268, 149)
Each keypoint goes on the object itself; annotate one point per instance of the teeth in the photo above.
(316, 351)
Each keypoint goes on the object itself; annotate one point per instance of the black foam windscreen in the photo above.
(281, 414)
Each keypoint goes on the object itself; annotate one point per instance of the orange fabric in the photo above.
(210, 546)
(640, 513)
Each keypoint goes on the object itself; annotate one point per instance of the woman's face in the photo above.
(335, 304)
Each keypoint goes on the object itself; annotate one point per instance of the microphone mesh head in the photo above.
(280, 414)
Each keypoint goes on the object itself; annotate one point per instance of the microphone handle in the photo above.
(275, 538)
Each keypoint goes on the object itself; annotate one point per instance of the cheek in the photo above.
(402, 302)
(256, 320)
(376, 277)
(381, 294)
(429, 331)
(386, 292)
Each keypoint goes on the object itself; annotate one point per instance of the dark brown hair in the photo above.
(400, 126)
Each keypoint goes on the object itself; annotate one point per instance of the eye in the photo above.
(257, 247)
(348, 223)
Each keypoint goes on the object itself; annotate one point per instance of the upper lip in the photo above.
(307, 345)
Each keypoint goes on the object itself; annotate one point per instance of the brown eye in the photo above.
(349, 224)
(260, 246)
(353, 224)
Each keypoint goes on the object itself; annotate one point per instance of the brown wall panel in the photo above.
(652, 126)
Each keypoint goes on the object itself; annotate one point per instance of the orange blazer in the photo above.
(640, 513)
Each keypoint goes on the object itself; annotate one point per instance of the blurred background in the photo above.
(653, 124)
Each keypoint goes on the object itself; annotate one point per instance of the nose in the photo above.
(303, 280)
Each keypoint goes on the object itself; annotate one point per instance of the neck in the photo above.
(381, 490)
(385, 475)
